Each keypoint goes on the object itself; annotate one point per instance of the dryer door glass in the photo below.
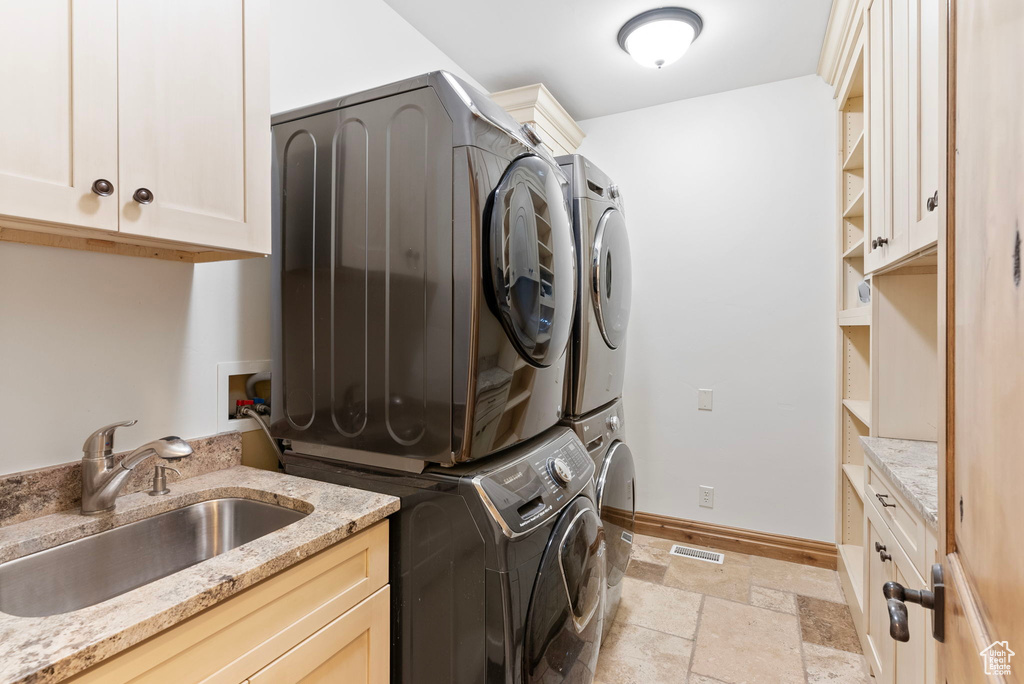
(616, 502)
(611, 286)
(532, 260)
(563, 625)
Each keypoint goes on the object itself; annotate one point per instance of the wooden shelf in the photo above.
(855, 159)
(860, 315)
(855, 474)
(852, 558)
(856, 207)
(856, 251)
(860, 409)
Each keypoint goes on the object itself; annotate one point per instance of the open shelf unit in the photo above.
(853, 329)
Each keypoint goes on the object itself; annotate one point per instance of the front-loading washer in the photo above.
(424, 277)
(603, 434)
(496, 567)
(598, 349)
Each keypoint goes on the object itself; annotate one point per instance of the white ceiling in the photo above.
(570, 46)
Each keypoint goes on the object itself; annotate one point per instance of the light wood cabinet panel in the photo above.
(353, 649)
(58, 120)
(194, 118)
(236, 638)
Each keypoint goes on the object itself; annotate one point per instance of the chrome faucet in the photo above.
(102, 479)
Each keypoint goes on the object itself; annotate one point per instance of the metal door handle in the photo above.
(882, 500)
(897, 596)
(933, 201)
(143, 196)
(103, 187)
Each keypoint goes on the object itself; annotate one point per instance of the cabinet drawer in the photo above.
(354, 648)
(903, 521)
(234, 639)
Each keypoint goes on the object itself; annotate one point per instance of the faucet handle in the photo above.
(100, 444)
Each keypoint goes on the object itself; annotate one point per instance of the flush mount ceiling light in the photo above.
(661, 36)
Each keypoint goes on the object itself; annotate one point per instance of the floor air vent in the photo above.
(697, 554)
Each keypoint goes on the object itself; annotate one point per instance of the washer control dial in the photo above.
(614, 423)
(560, 471)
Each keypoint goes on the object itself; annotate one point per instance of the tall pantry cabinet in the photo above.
(136, 127)
(886, 60)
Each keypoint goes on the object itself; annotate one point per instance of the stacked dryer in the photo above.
(597, 366)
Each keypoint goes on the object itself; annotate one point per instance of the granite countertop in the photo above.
(49, 649)
(913, 468)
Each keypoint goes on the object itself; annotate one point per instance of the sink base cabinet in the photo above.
(324, 619)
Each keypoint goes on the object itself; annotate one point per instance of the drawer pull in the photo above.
(882, 500)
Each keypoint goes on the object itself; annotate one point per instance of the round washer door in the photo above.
(563, 624)
(616, 501)
(532, 260)
(611, 286)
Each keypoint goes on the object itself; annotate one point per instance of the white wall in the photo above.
(87, 339)
(325, 48)
(729, 203)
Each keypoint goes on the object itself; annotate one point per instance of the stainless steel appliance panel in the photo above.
(364, 299)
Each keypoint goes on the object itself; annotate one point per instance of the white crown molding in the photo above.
(535, 104)
(838, 33)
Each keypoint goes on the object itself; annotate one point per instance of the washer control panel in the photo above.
(526, 487)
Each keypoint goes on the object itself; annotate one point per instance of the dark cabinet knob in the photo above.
(883, 241)
(879, 546)
(143, 196)
(103, 187)
(933, 201)
(874, 244)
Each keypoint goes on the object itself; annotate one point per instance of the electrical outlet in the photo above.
(704, 399)
(706, 498)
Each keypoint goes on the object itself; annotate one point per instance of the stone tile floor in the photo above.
(751, 620)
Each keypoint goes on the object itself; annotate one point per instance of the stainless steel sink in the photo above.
(93, 569)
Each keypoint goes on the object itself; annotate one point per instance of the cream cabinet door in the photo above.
(899, 229)
(194, 121)
(927, 120)
(58, 117)
(909, 657)
(354, 649)
(882, 647)
(877, 163)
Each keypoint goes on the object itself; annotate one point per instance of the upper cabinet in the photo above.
(907, 117)
(58, 121)
(138, 127)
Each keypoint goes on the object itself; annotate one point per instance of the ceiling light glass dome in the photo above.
(661, 36)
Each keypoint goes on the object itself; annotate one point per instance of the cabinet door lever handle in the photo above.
(897, 597)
